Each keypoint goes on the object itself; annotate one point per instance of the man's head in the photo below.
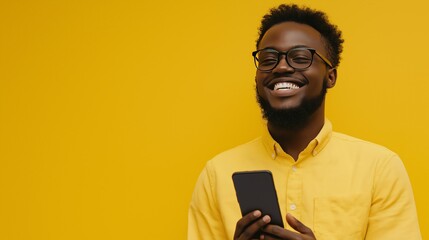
(297, 53)
(318, 20)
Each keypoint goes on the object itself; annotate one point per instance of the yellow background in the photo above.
(110, 109)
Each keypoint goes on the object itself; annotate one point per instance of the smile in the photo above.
(284, 86)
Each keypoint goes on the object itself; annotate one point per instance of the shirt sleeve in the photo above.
(393, 212)
(204, 220)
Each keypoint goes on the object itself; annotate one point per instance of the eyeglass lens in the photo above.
(267, 59)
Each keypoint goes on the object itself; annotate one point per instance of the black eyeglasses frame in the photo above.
(280, 53)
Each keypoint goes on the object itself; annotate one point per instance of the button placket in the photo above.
(294, 191)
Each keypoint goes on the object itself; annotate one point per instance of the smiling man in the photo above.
(329, 185)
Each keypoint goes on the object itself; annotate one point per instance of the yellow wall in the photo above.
(110, 109)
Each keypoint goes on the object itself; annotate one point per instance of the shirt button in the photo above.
(273, 155)
(294, 168)
(292, 207)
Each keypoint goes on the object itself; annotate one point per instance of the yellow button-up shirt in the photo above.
(340, 187)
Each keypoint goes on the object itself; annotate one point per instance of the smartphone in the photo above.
(255, 190)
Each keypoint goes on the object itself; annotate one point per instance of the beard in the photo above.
(291, 118)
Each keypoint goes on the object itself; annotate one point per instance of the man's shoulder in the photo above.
(347, 139)
(241, 153)
(250, 147)
(356, 144)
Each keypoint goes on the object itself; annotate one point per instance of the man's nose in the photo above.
(283, 65)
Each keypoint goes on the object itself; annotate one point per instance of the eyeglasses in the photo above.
(298, 58)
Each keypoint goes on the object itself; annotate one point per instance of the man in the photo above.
(329, 185)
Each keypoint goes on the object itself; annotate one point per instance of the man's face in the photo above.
(308, 86)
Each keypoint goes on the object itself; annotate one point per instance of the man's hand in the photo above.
(304, 233)
(250, 224)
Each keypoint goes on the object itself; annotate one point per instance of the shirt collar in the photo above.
(313, 148)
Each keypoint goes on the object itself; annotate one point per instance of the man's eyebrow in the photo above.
(295, 46)
(299, 46)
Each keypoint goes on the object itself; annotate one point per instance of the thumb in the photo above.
(297, 225)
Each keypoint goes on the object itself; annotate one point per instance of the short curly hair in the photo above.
(314, 18)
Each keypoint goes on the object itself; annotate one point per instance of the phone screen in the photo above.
(255, 190)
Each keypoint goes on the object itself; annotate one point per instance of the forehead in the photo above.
(286, 35)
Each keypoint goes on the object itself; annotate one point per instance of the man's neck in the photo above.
(294, 141)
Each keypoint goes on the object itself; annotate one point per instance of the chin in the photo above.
(290, 115)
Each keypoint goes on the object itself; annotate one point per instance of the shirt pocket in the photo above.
(341, 217)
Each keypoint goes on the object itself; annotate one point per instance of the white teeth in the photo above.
(285, 86)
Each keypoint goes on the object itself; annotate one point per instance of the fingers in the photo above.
(250, 224)
(268, 237)
(244, 221)
(273, 231)
(298, 226)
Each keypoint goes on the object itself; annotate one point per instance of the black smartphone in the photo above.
(255, 190)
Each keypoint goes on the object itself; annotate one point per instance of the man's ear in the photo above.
(332, 77)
